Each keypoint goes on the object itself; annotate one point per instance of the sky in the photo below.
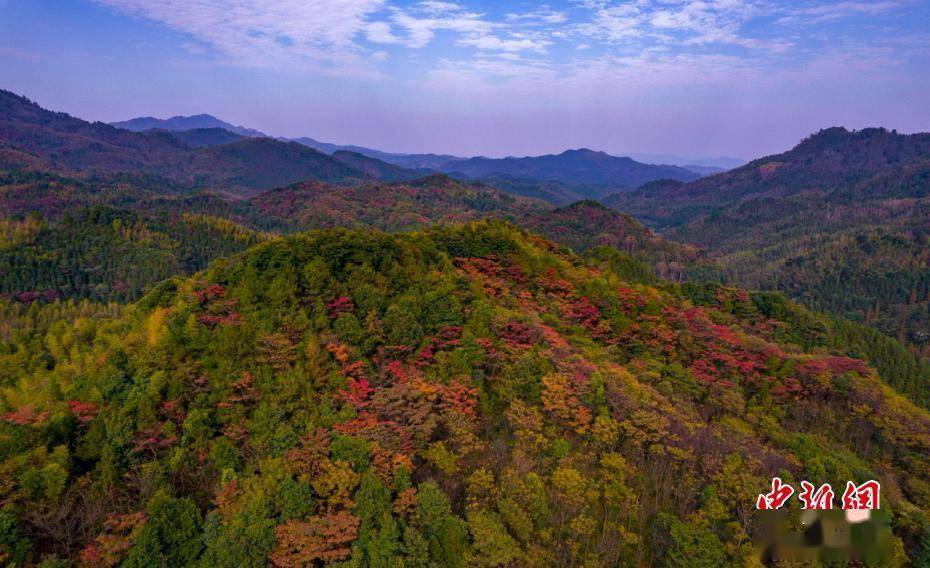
(697, 78)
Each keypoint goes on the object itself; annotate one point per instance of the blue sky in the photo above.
(692, 77)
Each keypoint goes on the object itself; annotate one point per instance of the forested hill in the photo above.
(840, 222)
(834, 160)
(111, 239)
(458, 397)
(73, 146)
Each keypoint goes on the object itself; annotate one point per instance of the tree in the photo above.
(401, 327)
(491, 545)
(171, 537)
(921, 555)
(446, 534)
(326, 538)
(693, 545)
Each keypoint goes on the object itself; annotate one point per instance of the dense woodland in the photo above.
(105, 253)
(465, 397)
(374, 368)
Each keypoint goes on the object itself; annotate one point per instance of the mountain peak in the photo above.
(181, 123)
(835, 135)
(586, 204)
(583, 151)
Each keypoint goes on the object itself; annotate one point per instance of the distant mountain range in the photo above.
(413, 161)
(212, 157)
(722, 163)
(197, 158)
(561, 178)
(704, 166)
(572, 166)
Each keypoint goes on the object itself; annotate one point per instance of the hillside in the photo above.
(112, 240)
(703, 171)
(377, 169)
(585, 225)
(555, 192)
(204, 137)
(438, 199)
(460, 397)
(103, 253)
(384, 206)
(573, 167)
(47, 211)
(832, 160)
(839, 222)
(262, 163)
(75, 146)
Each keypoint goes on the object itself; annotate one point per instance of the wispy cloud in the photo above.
(315, 33)
(511, 44)
(682, 21)
(831, 11)
(349, 37)
(417, 28)
(474, 75)
(543, 15)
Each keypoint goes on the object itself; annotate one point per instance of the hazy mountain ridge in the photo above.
(242, 166)
(413, 161)
(571, 166)
(184, 123)
(583, 170)
(720, 162)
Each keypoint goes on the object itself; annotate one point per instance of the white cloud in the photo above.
(315, 33)
(436, 7)
(380, 32)
(675, 21)
(837, 10)
(614, 22)
(494, 43)
(544, 15)
(418, 28)
(345, 37)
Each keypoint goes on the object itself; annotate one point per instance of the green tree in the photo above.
(492, 545)
(693, 545)
(171, 536)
